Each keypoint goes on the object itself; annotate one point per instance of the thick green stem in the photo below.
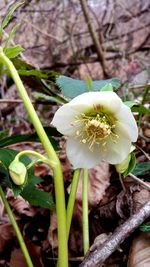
(85, 221)
(16, 229)
(53, 162)
(72, 198)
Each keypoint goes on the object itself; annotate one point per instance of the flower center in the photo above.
(97, 129)
(94, 129)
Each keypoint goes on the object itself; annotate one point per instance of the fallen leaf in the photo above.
(17, 259)
(124, 204)
(98, 183)
(52, 233)
(35, 253)
(22, 206)
(140, 251)
(3, 215)
(140, 198)
(6, 235)
(41, 170)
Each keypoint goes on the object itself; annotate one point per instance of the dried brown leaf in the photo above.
(35, 253)
(140, 251)
(41, 170)
(52, 233)
(98, 183)
(140, 198)
(6, 235)
(22, 206)
(17, 259)
(3, 214)
(124, 204)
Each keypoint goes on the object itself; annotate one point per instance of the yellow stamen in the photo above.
(94, 129)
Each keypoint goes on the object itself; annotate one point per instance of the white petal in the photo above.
(116, 152)
(107, 100)
(80, 156)
(63, 119)
(127, 121)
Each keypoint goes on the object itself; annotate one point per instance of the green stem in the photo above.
(53, 162)
(16, 229)
(34, 153)
(72, 198)
(85, 221)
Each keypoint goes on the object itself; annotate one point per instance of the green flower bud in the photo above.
(121, 168)
(17, 171)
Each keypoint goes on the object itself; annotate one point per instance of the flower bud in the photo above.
(17, 171)
(123, 166)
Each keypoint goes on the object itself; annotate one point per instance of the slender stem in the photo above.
(85, 211)
(34, 153)
(122, 183)
(53, 162)
(16, 229)
(72, 198)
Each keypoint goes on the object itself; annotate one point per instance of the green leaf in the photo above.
(142, 168)
(41, 96)
(131, 165)
(37, 73)
(136, 107)
(140, 109)
(130, 104)
(50, 131)
(25, 69)
(145, 227)
(4, 133)
(38, 197)
(10, 14)
(71, 88)
(107, 87)
(10, 36)
(12, 52)
(7, 156)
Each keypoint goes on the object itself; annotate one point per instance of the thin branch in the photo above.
(41, 31)
(139, 86)
(7, 101)
(146, 155)
(94, 37)
(139, 181)
(99, 253)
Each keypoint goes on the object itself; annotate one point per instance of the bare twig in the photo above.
(3, 101)
(7, 101)
(94, 37)
(146, 155)
(139, 86)
(139, 181)
(99, 253)
(41, 31)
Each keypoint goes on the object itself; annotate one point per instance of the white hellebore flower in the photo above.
(99, 127)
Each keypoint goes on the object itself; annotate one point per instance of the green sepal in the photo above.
(131, 165)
